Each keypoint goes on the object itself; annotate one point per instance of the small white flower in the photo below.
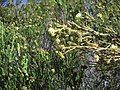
(16, 28)
(56, 51)
(53, 70)
(79, 15)
(29, 25)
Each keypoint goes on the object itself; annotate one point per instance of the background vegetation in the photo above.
(60, 45)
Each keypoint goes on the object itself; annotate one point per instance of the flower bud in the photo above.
(51, 31)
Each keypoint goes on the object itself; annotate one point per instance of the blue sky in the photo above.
(17, 1)
(5, 2)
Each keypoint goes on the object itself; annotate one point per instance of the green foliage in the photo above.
(71, 30)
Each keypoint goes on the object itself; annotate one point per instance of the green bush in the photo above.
(48, 46)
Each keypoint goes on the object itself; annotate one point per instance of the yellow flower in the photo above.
(96, 58)
(57, 40)
(99, 15)
(113, 47)
(108, 61)
(51, 31)
(61, 55)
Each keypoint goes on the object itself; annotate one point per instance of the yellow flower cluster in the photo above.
(51, 31)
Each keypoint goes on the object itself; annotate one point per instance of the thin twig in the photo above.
(88, 29)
